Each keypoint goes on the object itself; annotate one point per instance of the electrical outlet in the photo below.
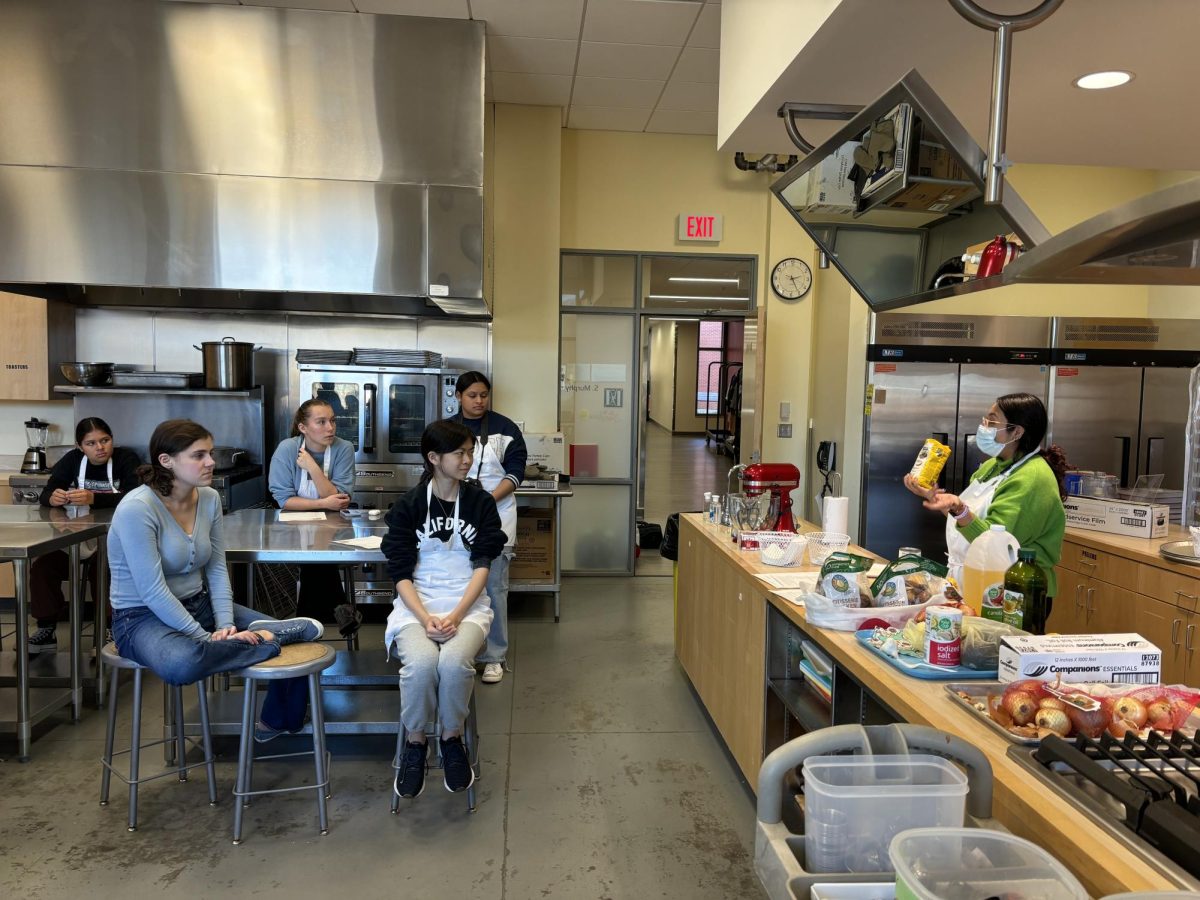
(785, 431)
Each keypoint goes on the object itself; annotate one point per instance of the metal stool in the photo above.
(116, 663)
(294, 661)
(470, 740)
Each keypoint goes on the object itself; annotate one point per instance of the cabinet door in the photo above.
(747, 675)
(1067, 615)
(1165, 625)
(685, 597)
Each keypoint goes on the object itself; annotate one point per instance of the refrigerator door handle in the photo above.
(965, 476)
(1150, 453)
(368, 418)
(1126, 446)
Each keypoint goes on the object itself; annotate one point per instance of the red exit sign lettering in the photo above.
(700, 227)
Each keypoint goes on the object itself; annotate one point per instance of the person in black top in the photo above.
(95, 473)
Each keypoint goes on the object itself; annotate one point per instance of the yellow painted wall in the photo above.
(687, 343)
(662, 374)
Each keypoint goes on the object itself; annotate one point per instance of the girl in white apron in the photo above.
(442, 538)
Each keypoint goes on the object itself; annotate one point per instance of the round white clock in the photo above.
(791, 278)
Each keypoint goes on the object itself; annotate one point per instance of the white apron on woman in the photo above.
(490, 472)
(977, 498)
(87, 548)
(441, 576)
(307, 487)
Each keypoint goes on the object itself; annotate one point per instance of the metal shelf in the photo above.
(79, 389)
(802, 702)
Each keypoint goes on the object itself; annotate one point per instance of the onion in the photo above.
(1090, 722)
(1119, 727)
(1052, 703)
(1054, 720)
(996, 710)
(1161, 715)
(1021, 706)
(1131, 710)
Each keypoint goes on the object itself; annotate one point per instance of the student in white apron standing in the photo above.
(314, 470)
(500, 458)
(443, 536)
(95, 474)
(1019, 487)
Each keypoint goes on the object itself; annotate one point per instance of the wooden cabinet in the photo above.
(1166, 625)
(7, 584)
(37, 336)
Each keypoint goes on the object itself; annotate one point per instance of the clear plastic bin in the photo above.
(974, 864)
(874, 890)
(855, 805)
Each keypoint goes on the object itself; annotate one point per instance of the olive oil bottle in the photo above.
(1025, 594)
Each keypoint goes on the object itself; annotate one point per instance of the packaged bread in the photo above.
(930, 462)
(908, 581)
(843, 580)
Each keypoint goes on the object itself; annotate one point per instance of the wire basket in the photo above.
(823, 543)
(781, 548)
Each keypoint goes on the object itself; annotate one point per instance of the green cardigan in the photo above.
(1028, 505)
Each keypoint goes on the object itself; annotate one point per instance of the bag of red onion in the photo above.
(1038, 708)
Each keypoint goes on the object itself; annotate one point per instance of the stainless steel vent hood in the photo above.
(898, 244)
(174, 154)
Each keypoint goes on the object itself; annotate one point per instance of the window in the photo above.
(709, 357)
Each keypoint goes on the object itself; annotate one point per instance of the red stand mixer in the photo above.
(778, 478)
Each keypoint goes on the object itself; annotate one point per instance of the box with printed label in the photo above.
(1110, 658)
(830, 187)
(533, 557)
(546, 450)
(1144, 520)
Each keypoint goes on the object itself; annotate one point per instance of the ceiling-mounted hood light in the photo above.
(1100, 81)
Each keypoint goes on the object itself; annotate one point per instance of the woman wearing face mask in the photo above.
(1020, 487)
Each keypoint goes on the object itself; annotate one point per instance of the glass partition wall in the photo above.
(603, 380)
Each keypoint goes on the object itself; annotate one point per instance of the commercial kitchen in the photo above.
(728, 266)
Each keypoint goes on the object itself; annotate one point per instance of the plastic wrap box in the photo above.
(1126, 517)
(1080, 658)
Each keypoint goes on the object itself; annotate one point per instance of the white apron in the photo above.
(308, 487)
(442, 573)
(89, 547)
(977, 498)
(490, 472)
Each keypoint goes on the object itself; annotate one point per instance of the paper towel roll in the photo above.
(835, 515)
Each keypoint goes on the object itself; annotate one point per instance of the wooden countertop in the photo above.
(1022, 806)
(1139, 550)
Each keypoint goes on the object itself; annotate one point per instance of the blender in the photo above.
(36, 433)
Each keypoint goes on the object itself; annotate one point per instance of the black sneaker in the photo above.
(348, 619)
(44, 640)
(456, 767)
(410, 780)
(290, 631)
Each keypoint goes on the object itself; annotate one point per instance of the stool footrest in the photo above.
(174, 770)
(288, 790)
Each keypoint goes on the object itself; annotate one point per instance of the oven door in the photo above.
(352, 394)
(407, 403)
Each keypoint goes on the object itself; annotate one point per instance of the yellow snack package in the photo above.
(930, 462)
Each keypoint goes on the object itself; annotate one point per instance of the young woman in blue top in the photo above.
(314, 470)
(173, 608)
(500, 457)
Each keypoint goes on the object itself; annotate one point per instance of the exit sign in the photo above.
(700, 227)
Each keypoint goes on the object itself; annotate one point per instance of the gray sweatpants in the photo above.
(436, 680)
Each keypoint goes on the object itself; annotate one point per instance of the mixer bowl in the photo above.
(757, 513)
(87, 374)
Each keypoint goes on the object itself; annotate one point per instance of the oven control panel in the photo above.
(449, 404)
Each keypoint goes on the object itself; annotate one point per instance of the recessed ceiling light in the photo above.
(1099, 81)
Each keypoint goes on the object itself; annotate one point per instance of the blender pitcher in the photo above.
(36, 433)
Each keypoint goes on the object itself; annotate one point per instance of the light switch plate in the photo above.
(785, 430)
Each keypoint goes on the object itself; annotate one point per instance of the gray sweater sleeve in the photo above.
(215, 573)
(139, 531)
(341, 469)
(281, 478)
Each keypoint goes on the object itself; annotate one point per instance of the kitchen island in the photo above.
(736, 642)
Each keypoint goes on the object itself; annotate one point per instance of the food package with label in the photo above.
(843, 580)
(930, 462)
(909, 580)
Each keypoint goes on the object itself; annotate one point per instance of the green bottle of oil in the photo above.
(1025, 594)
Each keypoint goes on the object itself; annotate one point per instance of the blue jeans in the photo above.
(496, 650)
(176, 658)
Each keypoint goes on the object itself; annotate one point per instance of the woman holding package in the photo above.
(1020, 487)
(443, 536)
(314, 470)
(500, 458)
(96, 473)
(173, 608)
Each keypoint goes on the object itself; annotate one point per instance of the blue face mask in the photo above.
(985, 440)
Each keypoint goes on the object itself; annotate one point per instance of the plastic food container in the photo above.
(855, 805)
(781, 548)
(867, 890)
(974, 864)
(822, 543)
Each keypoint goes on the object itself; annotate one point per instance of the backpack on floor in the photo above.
(649, 535)
(669, 549)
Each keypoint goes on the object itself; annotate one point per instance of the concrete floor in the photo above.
(601, 779)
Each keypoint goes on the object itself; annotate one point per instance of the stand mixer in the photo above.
(36, 433)
(778, 478)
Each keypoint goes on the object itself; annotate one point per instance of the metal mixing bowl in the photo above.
(87, 374)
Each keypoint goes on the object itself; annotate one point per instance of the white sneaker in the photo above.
(493, 673)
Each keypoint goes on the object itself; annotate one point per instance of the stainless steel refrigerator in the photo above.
(935, 376)
(1119, 395)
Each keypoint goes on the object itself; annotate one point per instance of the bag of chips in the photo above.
(908, 581)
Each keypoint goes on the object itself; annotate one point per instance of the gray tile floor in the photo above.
(601, 778)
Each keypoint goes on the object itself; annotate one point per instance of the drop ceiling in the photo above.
(624, 65)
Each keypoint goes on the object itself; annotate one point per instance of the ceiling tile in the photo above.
(531, 18)
(648, 61)
(675, 121)
(607, 119)
(535, 90)
(533, 55)
(689, 95)
(698, 64)
(437, 9)
(334, 5)
(707, 32)
(616, 93)
(639, 22)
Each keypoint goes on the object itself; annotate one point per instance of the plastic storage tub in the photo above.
(855, 805)
(975, 864)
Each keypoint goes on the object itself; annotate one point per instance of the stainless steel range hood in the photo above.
(182, 154)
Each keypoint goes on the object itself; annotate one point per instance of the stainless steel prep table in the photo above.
(21, 540)
(555, 585)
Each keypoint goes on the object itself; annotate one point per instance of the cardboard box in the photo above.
(939, 198)
(935, 161)
(547, 450)
(830, 188)
(533, 557)
(1127, 517)
(895, 164)
(1108, 658)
